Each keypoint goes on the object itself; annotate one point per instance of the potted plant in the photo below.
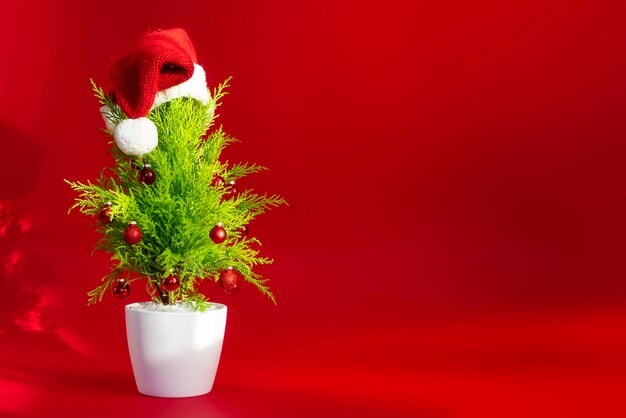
(171, 214)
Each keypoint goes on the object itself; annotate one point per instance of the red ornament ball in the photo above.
(146, 175)
(171, 283)
(217, 180)
(218, 233)
(121, 289)
(232, 190)
(229, 281)
(105, 214)
(244, 230)
(132, 233)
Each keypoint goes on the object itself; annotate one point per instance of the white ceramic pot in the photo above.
(175, 354)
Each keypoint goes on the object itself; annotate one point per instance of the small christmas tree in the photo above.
(169, 211)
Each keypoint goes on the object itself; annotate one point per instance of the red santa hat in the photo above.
(162, 66)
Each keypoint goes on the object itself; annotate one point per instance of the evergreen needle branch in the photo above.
(176, 213)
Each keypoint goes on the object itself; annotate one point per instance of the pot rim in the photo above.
(137, 307)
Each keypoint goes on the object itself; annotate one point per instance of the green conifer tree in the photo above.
(176, 213)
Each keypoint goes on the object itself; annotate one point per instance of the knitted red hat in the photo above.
(159, 68)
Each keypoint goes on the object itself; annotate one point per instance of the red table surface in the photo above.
(548, 366)
(454, 241)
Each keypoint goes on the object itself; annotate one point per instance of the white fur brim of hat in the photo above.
(139, 136)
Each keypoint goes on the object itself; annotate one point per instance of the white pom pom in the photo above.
(136, 136)
(105, 111)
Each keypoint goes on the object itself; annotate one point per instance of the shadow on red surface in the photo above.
(41, 375)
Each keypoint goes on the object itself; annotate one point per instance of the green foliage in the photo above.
(178, 211)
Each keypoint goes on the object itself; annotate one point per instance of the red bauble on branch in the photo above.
(217, 180)
(105, 213)
(218, 233)
(146, 175)
(132, 233)
(121, 290)
(244, 230)
(232, 190)
(229, 281)
(171, 283)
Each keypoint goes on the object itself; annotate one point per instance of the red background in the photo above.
(454, 241)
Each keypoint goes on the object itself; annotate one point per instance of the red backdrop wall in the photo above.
(454, 241)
